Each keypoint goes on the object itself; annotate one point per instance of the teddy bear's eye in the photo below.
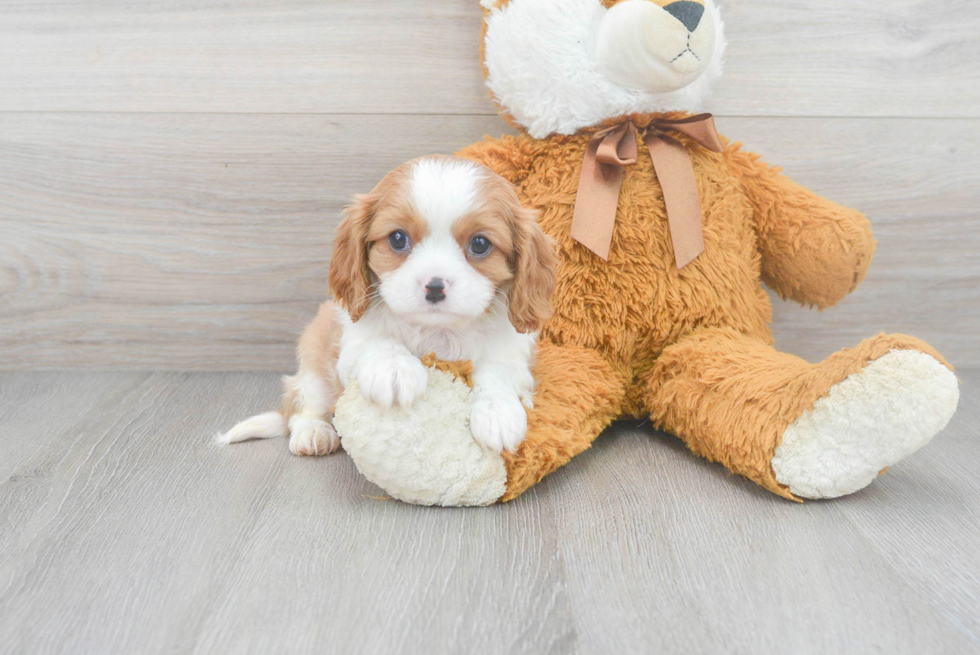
(399, 241)
(480, 246)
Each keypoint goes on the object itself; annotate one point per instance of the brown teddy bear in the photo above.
(666, 233)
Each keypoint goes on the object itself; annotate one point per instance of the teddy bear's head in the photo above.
(556, 66)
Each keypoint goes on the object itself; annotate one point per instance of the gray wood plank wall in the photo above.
(171, 171)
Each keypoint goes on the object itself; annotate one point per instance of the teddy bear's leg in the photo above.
(578, 394)
(799, 429)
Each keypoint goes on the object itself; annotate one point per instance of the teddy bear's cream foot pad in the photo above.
(867, 422)
(423, 454)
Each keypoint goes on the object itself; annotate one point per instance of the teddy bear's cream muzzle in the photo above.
(645, 46)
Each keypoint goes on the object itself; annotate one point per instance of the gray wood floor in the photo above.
(123, 530)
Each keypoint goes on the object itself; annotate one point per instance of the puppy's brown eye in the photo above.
(480, 246)
(398, 241)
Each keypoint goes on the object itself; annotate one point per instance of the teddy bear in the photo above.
(666, 232)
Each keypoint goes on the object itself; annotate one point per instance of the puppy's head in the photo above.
(441, 241)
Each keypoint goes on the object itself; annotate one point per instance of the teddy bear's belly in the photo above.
(636, 303)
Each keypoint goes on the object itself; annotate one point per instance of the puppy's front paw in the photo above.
(392, 379)
(498, 421)
(311, 436)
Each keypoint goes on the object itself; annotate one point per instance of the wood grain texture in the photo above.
(123, 530)
(201, 242)
(685, 558)
(786, 57)
(155, 540)
(945, 473)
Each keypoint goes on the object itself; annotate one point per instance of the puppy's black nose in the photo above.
(435, 290)
(687, 12)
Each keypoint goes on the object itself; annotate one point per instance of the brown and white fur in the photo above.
(441, 294)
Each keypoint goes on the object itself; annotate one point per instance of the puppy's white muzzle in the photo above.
(640, 45)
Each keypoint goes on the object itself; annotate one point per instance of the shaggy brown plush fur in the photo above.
(633, 336)
(730, 397)
(460, 370)
(578, 394)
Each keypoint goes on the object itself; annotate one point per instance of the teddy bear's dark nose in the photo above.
(687, 12)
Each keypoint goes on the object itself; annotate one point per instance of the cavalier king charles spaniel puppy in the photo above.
(439, 258)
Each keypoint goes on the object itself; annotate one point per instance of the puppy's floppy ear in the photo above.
(534, 273)
(350, 277)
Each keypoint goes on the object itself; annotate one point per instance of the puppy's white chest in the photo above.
(444, 343)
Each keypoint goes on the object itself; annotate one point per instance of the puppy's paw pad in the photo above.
(395, 380)
(312, 437)
(498, 421)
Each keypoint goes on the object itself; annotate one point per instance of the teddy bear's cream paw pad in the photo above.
(866, 423)
(423, 454)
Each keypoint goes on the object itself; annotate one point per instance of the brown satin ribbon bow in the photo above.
(613, 148)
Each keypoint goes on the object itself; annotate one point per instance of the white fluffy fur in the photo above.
(867, 422)
(312, 394)
(541, 59)
(442, 191)
(312, 436)
(270, 425)
(381, 352)
(423, 454)
(309, 433)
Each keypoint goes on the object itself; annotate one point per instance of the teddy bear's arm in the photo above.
(508, 156)
(813, 251)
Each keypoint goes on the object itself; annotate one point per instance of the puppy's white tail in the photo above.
(263, 426)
